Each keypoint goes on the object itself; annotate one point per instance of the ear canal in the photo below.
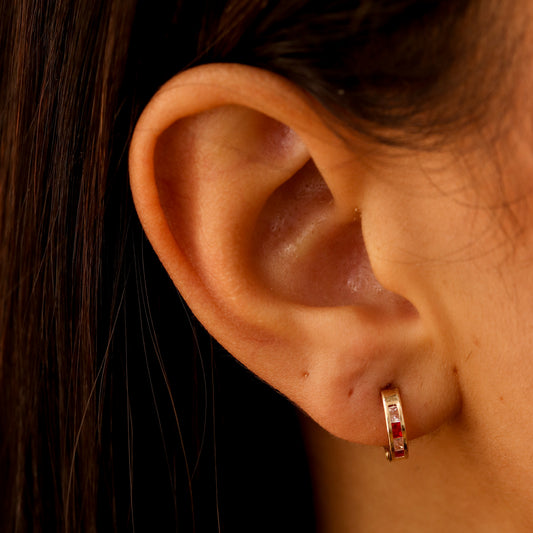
(310, 255)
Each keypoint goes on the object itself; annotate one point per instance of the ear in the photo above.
(258, 210)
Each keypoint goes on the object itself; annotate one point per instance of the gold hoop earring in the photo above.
(392, 406)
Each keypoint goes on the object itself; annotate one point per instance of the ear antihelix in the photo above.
(214, 172)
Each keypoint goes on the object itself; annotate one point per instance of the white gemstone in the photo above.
(398, 444)
(394, 413)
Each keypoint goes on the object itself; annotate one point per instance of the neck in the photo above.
(442, 487)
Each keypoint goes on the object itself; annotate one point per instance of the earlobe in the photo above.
(256, 208)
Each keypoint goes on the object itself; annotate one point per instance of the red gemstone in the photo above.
(400, 453)
(396, 429)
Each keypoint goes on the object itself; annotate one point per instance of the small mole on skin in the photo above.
(305, 375)
(455, 370)
(350, 392)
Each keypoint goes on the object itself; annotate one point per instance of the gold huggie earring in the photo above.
(395, 425)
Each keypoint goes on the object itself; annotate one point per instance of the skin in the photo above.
(474, 472)
(367, 267)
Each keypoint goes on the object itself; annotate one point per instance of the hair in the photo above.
(111, 394)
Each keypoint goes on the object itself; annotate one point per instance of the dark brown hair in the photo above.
(106, 393)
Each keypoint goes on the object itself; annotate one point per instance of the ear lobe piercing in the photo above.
(392, 406)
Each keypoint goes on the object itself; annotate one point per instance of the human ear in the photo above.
(261, 214)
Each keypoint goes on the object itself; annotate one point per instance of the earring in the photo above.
(392, 406)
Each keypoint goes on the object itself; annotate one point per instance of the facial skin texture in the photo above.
(256, 208)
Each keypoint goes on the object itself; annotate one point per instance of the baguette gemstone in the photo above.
(394, 413)
(396, 430)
